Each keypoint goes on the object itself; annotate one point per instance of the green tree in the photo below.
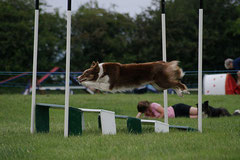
(105, 35)
(100, 35)
(16, 36)
(52, 40)
(220, 36)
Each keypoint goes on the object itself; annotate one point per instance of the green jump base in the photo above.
(42, 118)
(183, 128)
(133, 124)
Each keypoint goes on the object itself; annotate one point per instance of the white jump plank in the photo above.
(158, 125)
(107, 120)
(90, 110)
(148, 121)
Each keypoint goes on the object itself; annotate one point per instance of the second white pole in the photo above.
(66, 117)
(164, 55)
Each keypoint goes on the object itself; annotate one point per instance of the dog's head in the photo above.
(90, 74)
(205, 109)
(236, 112)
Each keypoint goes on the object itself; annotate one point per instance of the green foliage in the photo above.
(52, 40)
(100, 35)
(105, 35)
(220, 32)
(16, 36)
(221, 37)
(220, 135)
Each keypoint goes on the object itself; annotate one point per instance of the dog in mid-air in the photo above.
(210, 111)
(115, 77)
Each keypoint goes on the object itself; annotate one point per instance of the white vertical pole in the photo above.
(34, 74)
(200, 68)
(164, 55)
(66, 115)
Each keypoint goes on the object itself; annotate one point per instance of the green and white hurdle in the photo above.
(76, 119)
(134, 125)
(107, 120)
(158, 125)
(42, 118)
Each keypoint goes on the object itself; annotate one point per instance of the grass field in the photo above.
(220, 138)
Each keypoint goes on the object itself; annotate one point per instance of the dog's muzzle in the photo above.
(79, 78)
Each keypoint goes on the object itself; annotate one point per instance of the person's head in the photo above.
(228, 63)
(143, 106)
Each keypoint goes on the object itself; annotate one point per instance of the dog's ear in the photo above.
(96, 67)
(93, 64)
(206, 103)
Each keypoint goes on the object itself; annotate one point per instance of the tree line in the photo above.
(105, 35)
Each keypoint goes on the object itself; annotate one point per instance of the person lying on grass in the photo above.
(155, 110)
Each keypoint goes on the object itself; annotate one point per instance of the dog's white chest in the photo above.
(101, 84)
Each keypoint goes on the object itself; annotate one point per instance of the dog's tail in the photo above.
(175, 71)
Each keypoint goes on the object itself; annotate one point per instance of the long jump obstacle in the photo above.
(66, 106)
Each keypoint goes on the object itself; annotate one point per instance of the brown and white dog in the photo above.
(120, 77)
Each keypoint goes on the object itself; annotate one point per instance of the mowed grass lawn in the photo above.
(220, 138)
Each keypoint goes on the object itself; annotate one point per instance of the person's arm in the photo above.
(193, 116)
(160, 109)
(139, 115)
(238, 78)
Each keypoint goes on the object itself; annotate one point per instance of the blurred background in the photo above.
(108, 32)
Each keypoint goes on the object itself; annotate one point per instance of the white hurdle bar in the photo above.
(107, 120)
(158, 125)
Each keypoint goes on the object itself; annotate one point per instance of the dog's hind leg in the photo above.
(159, 88)
(179, 87)
(156, 86)
(179, 92)
(182, 87)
